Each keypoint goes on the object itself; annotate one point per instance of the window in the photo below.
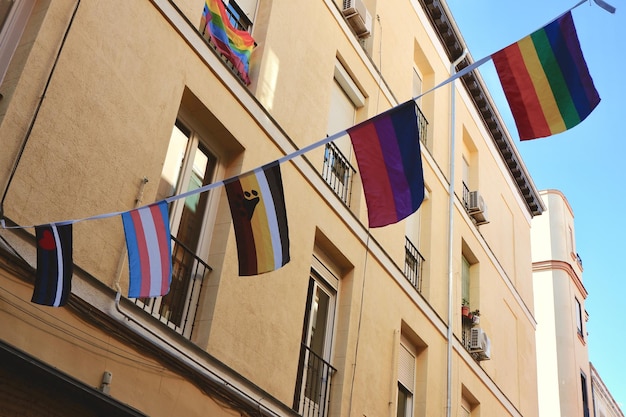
(585, 398)
(406, 380)
(469, 291)
(469, 404)
(421, 119)
(579, 317)
(345, 98)
(469, 155)
(413, 261)
(14, 15)
(241, 13)
(314, 369)
(188, 165)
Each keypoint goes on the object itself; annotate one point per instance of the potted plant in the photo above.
(475, 316)
(465, 308)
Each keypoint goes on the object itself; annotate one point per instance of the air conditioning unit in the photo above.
(477, 208)
(476, 202)
(358, 17)
(479, 344)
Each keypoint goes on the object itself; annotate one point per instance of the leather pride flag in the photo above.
(257, 206)
(53, 282)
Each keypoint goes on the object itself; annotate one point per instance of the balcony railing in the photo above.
(313, 385)
(178, 308)
(422, 126)
(338, 172)
(239, 20)
(237, 17)
(413, 261)
(466, 196)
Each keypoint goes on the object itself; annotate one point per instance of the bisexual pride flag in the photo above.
(546, 80)
(148, 242)
(387, 149)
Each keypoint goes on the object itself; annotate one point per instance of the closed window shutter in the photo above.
(406, 369)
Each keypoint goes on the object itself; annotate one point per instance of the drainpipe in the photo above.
(451, 235)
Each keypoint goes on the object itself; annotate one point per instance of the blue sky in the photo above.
(586, 163)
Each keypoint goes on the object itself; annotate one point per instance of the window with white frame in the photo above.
(14, 15)
(188, 165)
(406, 380)
(241, 13)
(346, 97)
(579, 317)
(312, 394)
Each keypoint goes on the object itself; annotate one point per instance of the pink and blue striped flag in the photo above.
(148, 242)
(387, 149)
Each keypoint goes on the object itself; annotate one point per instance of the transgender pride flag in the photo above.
(148, 242)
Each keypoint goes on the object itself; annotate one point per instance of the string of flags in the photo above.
(547, 85)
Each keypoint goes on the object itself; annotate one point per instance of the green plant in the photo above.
(465, 303)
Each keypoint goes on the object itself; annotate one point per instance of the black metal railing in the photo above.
(466, 196)
(422, 126)
(237, 17)
(338, 172)
(312, 394)
(240, 21)
(413, 261)
(579, 260)
(178, 308)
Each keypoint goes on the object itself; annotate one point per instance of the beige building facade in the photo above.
(108, 106)
(604, 405)
(568, 383)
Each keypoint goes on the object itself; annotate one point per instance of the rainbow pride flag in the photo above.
(236, 45)
(546, 80)
(387, 150)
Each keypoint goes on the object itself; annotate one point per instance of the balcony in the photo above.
(238, 20)
(313, 385)
(413, 261)
(178, 308)
(422, 127)
(338, 173)
(237, 17)
(466, 196)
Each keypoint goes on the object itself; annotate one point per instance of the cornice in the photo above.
(449, 35)
(553, 264)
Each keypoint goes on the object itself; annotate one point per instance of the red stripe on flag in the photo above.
(381, 206)
(142, 247)
(520, 93)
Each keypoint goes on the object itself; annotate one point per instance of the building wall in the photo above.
(561, 345)
(126, 71)
(604, 405)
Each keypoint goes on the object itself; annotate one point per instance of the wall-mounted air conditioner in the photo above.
(480, 344)
(477, 208)
(358, 17)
